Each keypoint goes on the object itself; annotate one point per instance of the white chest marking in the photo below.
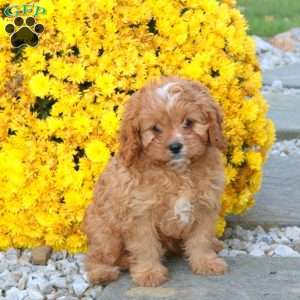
(183, 210)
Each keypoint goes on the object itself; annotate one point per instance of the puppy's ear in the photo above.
(215, 117)
(215, 133)
(130, 141)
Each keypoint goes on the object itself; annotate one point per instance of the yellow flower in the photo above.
(97, 151)
(105, 4)
(220, 226)
(58, 68)
(82, 124)
(73, 198)
(237, 156)
(39, 85)
(150, 58)
(28, 200)
(230, 172)
(76, 73)
(106, 84)
(35, 60)
(45, 219)
(250, 111)
(254, 160)
(109, 123)
(76, 242)
(5, 242)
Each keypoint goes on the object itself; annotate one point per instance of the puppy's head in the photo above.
(170, 121)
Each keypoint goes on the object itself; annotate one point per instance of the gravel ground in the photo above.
(284, 242)
(276, 58)
(286, 147)
(63, 278)
(271, 57)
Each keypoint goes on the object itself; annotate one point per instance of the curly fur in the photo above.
(149, 201)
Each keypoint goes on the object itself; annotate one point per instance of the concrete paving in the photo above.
(289, 75)
(249, 278)
(285, 112)
(278, 202)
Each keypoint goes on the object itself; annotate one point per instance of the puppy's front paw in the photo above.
(150, 277)
(210, 266)
(217, 245)
(103, 274)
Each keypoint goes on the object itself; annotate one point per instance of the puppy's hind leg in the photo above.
(103, 252)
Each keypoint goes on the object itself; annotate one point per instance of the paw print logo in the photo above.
(24, 34)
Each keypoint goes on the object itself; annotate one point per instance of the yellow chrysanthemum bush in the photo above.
(61, 104)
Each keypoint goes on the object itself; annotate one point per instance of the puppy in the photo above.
(162, 190)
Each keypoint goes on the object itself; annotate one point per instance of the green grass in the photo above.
(269, 17)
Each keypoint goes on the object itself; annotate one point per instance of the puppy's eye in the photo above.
(156, 129)
(188, 123)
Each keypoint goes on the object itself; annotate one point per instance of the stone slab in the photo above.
(289, 75)
(278, 202)
(285, 112)
(249, 278)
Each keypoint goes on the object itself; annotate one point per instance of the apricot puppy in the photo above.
(162, 190)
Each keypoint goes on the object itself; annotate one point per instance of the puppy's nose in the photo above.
(175, 147)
